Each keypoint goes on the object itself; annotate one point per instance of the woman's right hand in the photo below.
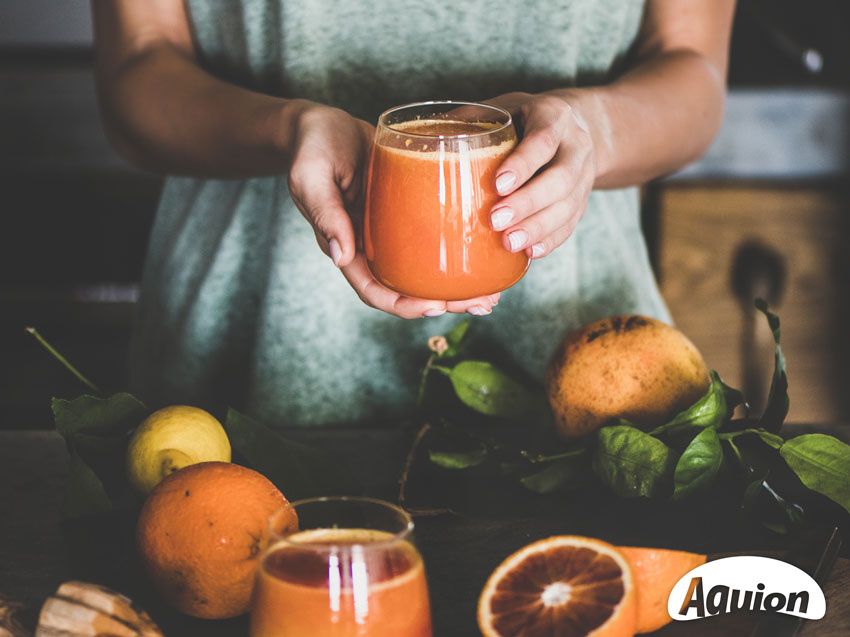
(327, 182)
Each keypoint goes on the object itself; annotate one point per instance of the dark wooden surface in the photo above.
(38, 551)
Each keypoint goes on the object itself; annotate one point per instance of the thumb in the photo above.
(322, 205)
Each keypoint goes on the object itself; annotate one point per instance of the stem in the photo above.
(445, 371)
(408, 463)
(735, 450)
(423, 381)
(55, 353)
(761, 433)
(558, 456)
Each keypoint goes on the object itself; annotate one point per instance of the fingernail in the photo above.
(501, 218)
(537, 250)
(505, 181)
(477, 310)
(435, 311)
(335, 250)
(517, 239)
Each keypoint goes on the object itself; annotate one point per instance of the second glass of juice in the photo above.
(430, 191)
(349, 570)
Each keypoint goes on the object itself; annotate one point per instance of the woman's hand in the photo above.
(547, 179)
(327, 181)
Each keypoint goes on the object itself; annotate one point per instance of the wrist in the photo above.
(284, 122)
(589, 109)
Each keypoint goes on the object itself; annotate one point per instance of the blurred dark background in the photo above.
(766, 212)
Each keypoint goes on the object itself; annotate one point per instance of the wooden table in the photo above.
(459, 550)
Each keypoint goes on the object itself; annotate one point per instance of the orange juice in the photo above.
(427, 229)
(373, 587)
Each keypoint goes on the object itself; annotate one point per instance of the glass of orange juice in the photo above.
(349, 569)
(431, 187)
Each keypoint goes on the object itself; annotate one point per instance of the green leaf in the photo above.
(96, 432)
(458, 459)
(116, 415)
(763, 504)
(84, 492)
(712, 410)
(486, 389)
(560, 475)
(698, 464)
(298, 470)
(777, 399)
(822, 463)
(631, 462)
(455, 339)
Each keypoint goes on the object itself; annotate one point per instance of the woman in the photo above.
(263, 108)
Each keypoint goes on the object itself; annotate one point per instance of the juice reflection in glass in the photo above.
(430, 190)
(351, 570)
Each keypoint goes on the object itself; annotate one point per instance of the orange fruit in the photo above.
(565, 585)
(655, 572)
(200, 534)
(631, 367)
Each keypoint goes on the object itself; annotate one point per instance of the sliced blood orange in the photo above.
(655, 572)
(564, 586)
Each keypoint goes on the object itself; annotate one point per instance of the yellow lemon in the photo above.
(170, 439)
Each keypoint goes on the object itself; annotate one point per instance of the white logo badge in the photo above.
(746, 582)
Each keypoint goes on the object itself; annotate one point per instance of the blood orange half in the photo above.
(564, 586)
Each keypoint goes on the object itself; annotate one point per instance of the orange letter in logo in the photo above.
(694, 598)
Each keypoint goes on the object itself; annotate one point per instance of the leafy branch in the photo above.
(679, 459)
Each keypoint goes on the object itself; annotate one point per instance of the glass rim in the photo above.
(382, 118)
(277, 539)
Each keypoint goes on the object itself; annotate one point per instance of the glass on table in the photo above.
(350, 569)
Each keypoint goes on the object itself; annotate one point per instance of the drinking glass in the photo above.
(430, 190)
(349, 569)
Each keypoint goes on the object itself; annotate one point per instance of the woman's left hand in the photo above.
(547, 179)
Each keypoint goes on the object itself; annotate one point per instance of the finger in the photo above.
(511, 102)
(480, 306)
(552, 185)
(380, 297)
(318, 197)
(544, 122)
(543, 231)
(542, 248)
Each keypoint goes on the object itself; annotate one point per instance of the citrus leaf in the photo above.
(116, 415)
(822, 463)
(298, 470)
(762, 504)
(777, 399)
(711, 410)
(698, 464)
(458, 459)
(455, 339)
(631, 462)
(84, 492)
(486, 389)
(560, 475)
(96, 431)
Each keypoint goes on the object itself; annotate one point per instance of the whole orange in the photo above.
(632, 367)
(200, 535)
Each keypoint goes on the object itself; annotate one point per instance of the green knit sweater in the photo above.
(239, 306)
